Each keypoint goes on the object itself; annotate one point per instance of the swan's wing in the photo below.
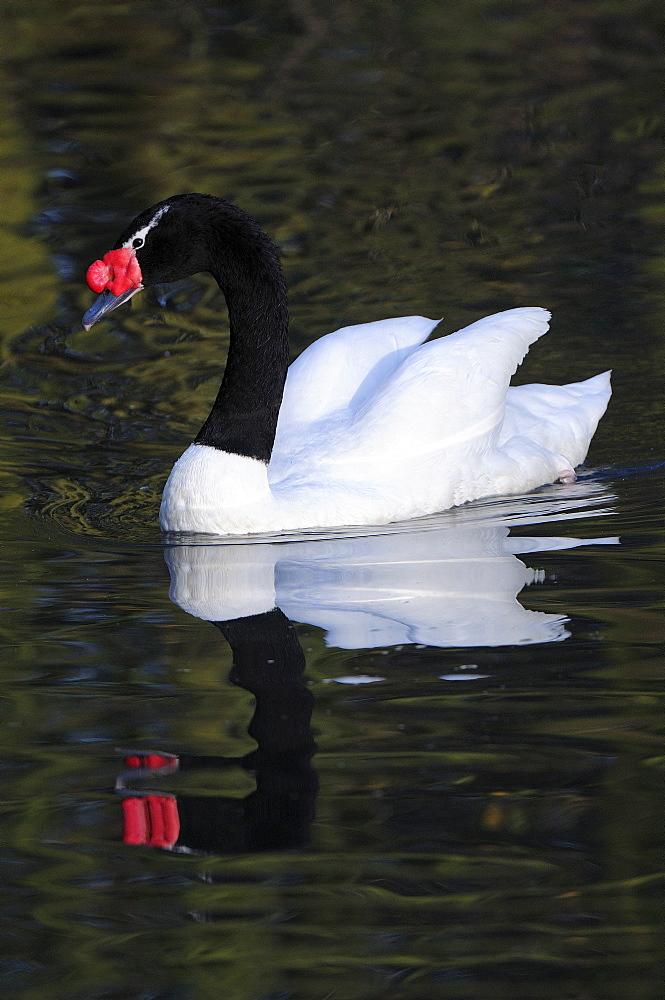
(447, 396)
(343, 368)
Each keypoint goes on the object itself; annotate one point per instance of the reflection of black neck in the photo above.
(268, 661)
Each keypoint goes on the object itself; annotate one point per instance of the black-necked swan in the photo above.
(370, 424)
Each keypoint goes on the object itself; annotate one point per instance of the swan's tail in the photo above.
(561, 418)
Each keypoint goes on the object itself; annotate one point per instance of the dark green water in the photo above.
(445, 779)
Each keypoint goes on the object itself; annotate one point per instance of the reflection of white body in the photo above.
(449, 581)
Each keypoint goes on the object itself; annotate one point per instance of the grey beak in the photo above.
(106, 303)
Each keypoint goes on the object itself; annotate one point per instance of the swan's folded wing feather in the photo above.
(343, 368)
(448, 394)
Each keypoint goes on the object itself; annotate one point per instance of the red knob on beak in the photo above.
(117, 271)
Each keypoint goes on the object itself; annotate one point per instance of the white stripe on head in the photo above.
(141, 233)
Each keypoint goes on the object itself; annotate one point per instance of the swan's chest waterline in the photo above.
(211, 491)
(215, 491)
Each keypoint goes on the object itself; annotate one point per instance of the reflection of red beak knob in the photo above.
(150, 761)
(118, 270)
(151, 819)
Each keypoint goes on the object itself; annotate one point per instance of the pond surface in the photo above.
(413, 762)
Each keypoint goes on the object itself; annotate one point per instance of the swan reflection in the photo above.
(450, 581)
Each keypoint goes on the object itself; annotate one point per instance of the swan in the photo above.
(371, 424)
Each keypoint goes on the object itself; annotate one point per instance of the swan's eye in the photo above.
(138, 242)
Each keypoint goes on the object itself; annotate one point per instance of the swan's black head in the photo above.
(182, 235)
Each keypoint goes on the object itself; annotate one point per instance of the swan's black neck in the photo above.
(245, 263)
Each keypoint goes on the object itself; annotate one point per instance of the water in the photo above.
(436, 770)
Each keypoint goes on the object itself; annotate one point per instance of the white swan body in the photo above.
(376, 426)
(370, 424)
